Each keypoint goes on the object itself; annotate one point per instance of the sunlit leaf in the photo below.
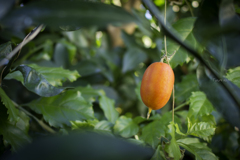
(199, 105)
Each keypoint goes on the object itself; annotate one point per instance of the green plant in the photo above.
(74, 67)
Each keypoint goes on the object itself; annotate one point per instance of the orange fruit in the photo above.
(157, 84)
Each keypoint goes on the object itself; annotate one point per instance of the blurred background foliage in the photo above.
(102, 50)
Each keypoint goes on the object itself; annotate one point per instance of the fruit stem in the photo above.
(165, 37)
(149, 112)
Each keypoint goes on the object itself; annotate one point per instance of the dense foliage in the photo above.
(76, 66)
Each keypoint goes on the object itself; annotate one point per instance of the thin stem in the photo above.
(149, 112)
(153, 9)
(27, 39)
(165, 22)
(173, 105)
(190, 8)
(181, 106)
(41, 123)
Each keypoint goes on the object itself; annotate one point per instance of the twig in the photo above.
(181, 105)
(41, 123)
(27, 39)
(190, 8)
(153, 9)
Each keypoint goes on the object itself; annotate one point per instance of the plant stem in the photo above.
(181, 106)
(41, 123)
(173, 105)
(190, 8)
(165, 22)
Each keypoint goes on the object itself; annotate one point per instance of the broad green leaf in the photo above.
(35, 82)
(201, 129)
(55, 76)
(16, 136)
(125, 127)
(11, 109)
(173, 149)
(61, 109)
(104, 125)
(184, 89)
(81, 146)
(234, 76)
(158, 155)
(89, 93)
(200, 150)
(74, 14)
(5, 49)
(132, 58)
(153, 132)
(199, 105)
(184, 29)
(107, 105)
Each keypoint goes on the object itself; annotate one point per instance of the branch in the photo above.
(27, 39)
(168, 32)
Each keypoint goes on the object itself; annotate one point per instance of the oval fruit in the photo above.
(157, 84)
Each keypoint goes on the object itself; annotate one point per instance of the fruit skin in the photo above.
(157, 84)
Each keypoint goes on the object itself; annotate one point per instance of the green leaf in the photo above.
(67, 13)
(107, 105)
(225, 103)
(35, 82)
(184, 29)
(200, 150)
(139, 119)
(5, 49)
(201, 129)
(11, 109)
(184, 89)
(89, 93)
(173, 149)
(132, 58)
(104, 125)
(81, 146)
(234, 76)
(125, 127)
(63, 108)
(199, 105)
(153, 132)
(81, 125)
(178, 130)
(16, 136)
(158, 155)
(55, 76)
